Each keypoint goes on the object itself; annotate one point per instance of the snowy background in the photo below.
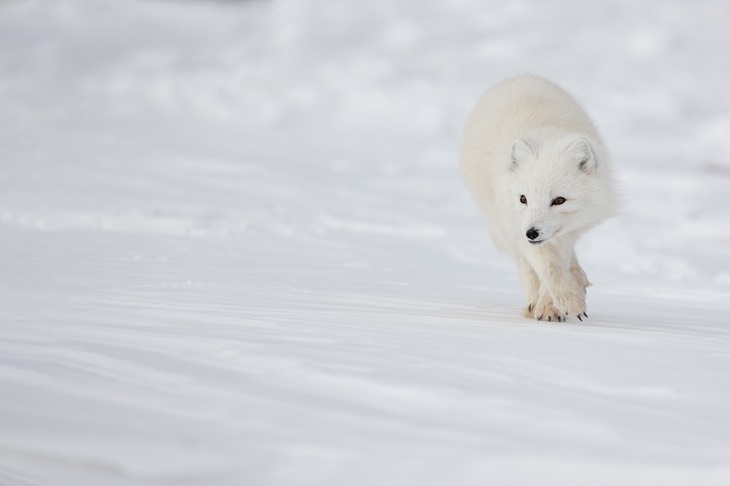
(235, 247)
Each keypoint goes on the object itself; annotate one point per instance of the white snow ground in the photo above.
(236, 248)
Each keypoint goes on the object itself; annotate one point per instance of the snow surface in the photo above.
(236, 248)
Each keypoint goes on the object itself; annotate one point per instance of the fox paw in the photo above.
(571, 304)
(548, 312)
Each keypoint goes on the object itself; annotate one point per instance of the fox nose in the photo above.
(532, 233)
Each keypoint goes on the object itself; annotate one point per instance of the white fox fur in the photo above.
(527, 146)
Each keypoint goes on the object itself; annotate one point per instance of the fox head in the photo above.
(559, 187)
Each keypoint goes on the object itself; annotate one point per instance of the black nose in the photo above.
(532, 233)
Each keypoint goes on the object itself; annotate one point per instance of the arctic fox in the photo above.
(538, 170)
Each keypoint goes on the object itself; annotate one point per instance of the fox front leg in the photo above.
(560, 290)
(578, 273)
(531, 284)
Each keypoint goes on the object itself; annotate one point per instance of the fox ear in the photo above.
(521, 149)
(579, 151)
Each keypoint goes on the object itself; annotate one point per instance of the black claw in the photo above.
(585, 314)
(550, 318)
(529, 308)
(539, 318)
(559, 319)
(579, 318)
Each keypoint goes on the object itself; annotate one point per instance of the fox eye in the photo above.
(523, 199)
(558, 201)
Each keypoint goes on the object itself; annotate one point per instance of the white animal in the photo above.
(538, 170)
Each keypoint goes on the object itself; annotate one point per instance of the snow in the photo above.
(236, 248)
